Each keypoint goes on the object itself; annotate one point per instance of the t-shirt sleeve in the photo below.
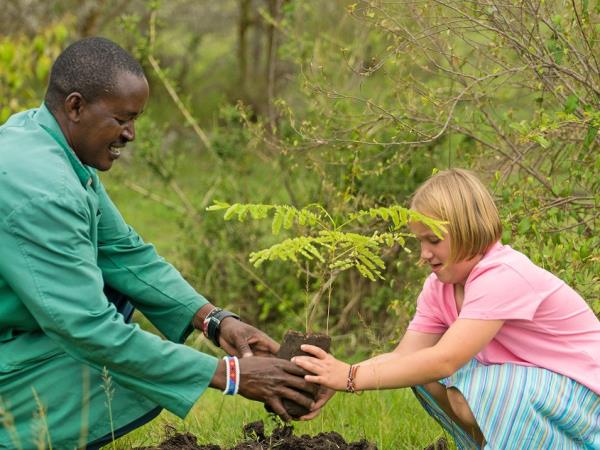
(428, 317)
(499, 292)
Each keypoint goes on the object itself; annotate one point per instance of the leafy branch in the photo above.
(325, 241)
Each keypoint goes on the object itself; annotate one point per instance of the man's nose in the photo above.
(128, 132)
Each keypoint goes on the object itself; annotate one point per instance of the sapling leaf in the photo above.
(218, 205)
(277, 221)
(289, 218)
(366, 261)
(231, 211)
(242, 212)
(365, 272)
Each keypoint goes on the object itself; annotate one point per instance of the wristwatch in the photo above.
(211, 326)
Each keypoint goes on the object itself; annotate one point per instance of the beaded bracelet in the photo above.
(232, 373)
(350, 384)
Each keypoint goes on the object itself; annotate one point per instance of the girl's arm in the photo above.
(411, 342)
(460, 343)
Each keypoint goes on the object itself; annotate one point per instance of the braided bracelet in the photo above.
(232, 374)
(350, 384)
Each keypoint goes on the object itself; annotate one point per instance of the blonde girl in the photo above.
(503, 354)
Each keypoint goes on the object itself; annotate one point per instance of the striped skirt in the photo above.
(519, 407)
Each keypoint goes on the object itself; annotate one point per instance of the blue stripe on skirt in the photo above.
(519, 407)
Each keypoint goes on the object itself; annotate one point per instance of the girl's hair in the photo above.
(459, 198)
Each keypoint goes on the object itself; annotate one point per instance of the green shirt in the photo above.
(61, 240)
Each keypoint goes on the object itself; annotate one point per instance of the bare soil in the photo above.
(255, 439)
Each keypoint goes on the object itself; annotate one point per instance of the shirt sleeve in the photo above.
(52, 268)
(499, 292)
(428, 317)
(134, 268)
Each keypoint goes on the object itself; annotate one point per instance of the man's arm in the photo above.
(134, 268)
(160, 292)
(52, 268)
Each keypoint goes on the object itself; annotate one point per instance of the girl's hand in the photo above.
(327, 370)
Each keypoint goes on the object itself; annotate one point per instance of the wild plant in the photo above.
(326, 245)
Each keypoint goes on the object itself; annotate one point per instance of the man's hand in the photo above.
(243, 340)
(322, 397)
(238, 338)
(269, 380)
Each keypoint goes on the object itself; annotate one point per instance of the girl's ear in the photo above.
(74, 105)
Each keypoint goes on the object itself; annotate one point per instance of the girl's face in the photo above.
(436, 253)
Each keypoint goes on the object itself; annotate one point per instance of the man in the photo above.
(63, 244)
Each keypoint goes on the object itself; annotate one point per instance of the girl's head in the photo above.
(457, 197)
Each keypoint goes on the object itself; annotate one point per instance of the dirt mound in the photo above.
(256, 439)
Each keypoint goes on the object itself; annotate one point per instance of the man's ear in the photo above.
(74, 105)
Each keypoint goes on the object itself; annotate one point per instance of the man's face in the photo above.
(435, 252)
(106, 125)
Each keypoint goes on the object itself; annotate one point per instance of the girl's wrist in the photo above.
(351, 378)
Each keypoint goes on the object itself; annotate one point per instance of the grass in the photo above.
(391, 419)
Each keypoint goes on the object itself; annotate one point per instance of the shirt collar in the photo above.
(47, 121)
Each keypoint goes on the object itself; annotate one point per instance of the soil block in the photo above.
(290, 347)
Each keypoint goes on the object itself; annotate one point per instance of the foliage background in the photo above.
(349, 105)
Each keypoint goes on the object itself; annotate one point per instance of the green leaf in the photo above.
(556, 50)
(312, 249)
(571, 104)
(231, 211)
(395, 218)
(218, 205)
(277, 221)
(585, 4)
(289, 218)
(365, 272)
(545, 143)
(243, 212)
(524, 225)
(590, 136)
(43, 67)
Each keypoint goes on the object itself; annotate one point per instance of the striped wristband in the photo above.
(232, 368)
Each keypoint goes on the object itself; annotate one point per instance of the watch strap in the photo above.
(212, 324)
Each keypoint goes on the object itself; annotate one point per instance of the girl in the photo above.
(500, 352)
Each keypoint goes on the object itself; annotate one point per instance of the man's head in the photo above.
(96, 91)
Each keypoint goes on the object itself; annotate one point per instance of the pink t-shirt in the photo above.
(547, 324)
